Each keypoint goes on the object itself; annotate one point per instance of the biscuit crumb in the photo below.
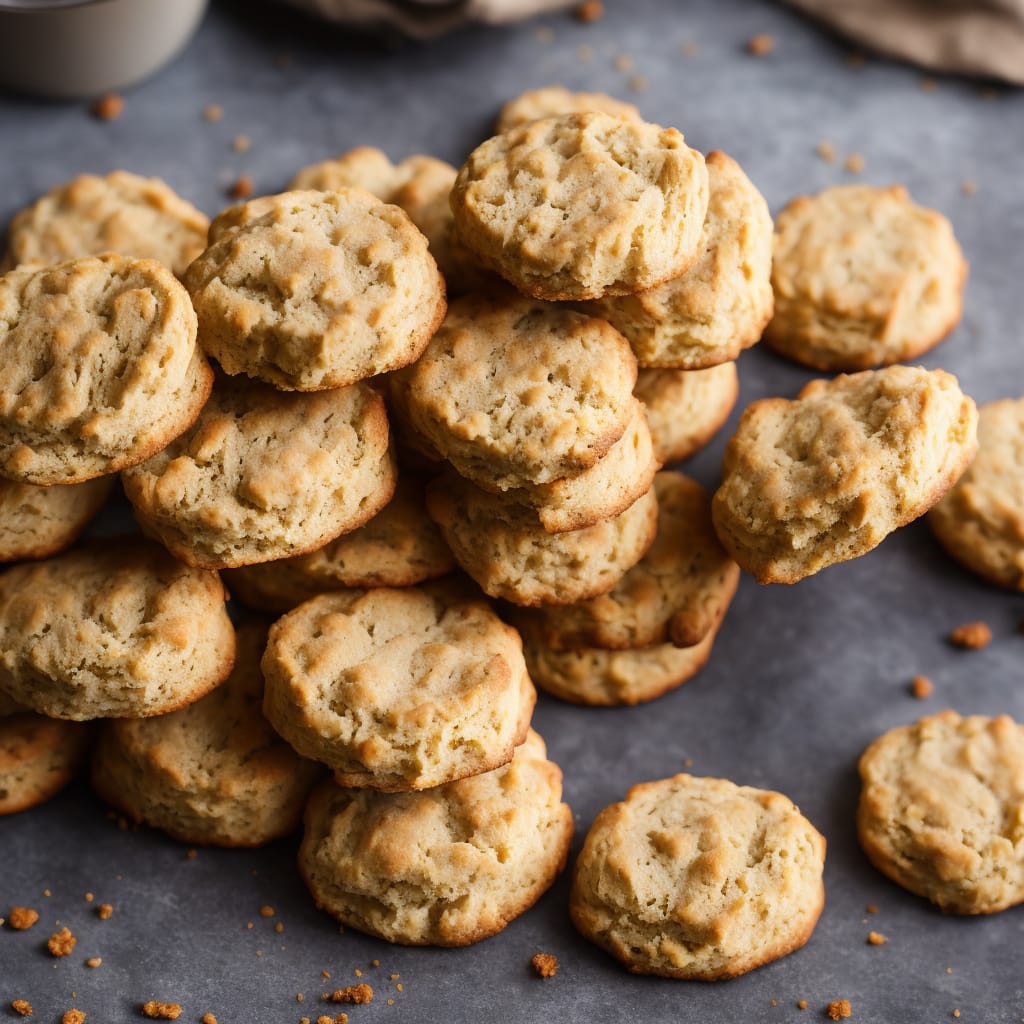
(969, 187)
(638, 83)
(876, 939)
(689, 48)
(358, 973)
(989, 93)
(826, 151)
(922, 687)
(161, 1011)
(854, 163)
(399, 988)
(322, 1019)
(266, 910)
(325, 974)
(241, 144)
(214, 112)
(545, 964)
(61, 943)
(375, 963)
(73, 1017)
(589, 10)
(94, 961)
(775, 1002)
(103, 911)
(89, 897)
(22, 1007)
(242, 188)
(109, 107)
(856, 60)
(929, 85)
(391, 1002)
(624, 63)
(839, 1008)
(303, 1020)
(279, 927)
(192, 854)
(802, 1005)
(208, 1018)
(761, 45)
(395, 977)
(544, 35)
(47, 893)
(299, 997)
(249, 925)
(956, 1012)
(971, 636)
(949, 970)
(358, 994)
(687, 762)
(871, 908)
(21, 918)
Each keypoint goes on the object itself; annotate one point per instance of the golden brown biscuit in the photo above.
(39, 756)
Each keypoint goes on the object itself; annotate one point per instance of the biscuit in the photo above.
(137, 217)
(940, 810)
(117, 629)
(981, 521)
(99, 368)
(322, 290)
(398, 689)
(214, 772)
(686, 408)
(506, 549)
(677, 593)
(553, 100)
(264, 474)
(863, 277)
(516, 392)
(722, 303)
(583, 205)
(398, 547)
(39, 756)
(699, 878)
(827, 477)
(445, 867)
(36, 522)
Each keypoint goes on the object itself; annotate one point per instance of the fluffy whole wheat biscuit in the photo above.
(863, 277)
(98, 368)
(322, 289)
(583, 205)
(214, 772)
(120, 212)
(942, 810)
(36, 522)
(827, 477)
(115, 629)
(39, 756)
(553, 100)
(265, 474)
(722, 303)
(980, 522)
(516, 392)
(505, 548)
(699, 878)
(398, 689)
(445, 867)
(686, 408)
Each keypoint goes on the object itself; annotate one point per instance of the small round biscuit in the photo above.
(942, 810)
(398, 689)
(721, 305)
(321, 290)
(981, 521)
(583, 205)
(265, 474)
(36, 522)
(677, 593)
(214, 772)
(516, 392)
(829, 476)
(699, 878)
(863, 277)
(39, 756)
(399, 547)
(445, 867)
(505, 548)
(115, 629)
(124, 213)
(686, 408)
(553, 100)
(99, 368)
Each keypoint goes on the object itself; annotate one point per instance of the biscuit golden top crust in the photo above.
(553, 100)
(827, 477)
(699, 878)
(121, 212)
(583, 205)
(942, 810)
(38, 757)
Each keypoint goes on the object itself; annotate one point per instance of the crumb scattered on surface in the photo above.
(89, 897)
(249, 925)
(989, 93)
(775, 1002)
(161, 1011)
(871, 908)
(589, 10)
(299, 997)
(358, 973)
(761, 45)
(47, 893)
(922, 687)
(856, 60)
(399, 987)
(395, 977)
(956, 1012)
(322, 1019)
(266, 910)
(969, 187)
(358, 994)
(391, 1002)
(103, 911)
(689, 48)
(242, 188)
(544, 35)
(192, 854)
(279, 927)
(545, 964)
(241, 144)
(802, 1005)
(826, 151)
(61, 943)
(839, 1008)
(375, 963)
(94, 961)
(876, 939)
(929, 85)
(972, 636)
(109, 107)
(73, 1016)
(624, 63)
(325, 974)
(638, 83)
(214, 112)
(21, 918)
(949, 970)
(22, 1007)
(854, 163)
(208, 1018)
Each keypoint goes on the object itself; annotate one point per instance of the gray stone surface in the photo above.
(801, 678)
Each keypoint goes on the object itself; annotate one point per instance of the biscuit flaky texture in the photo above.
(398, 689)
(214, 772)
(942, 810)
(981, 521)
(39, 756)
(98, 367)
(553, 100)
(863, 277)
(506, 549)
(583, 205)
(113, 630)
(721, 305)
(699, 878)
(516, 392)
(321, 290)
(827, 477)
(265, 474)
(686, 408)
(446, 867)
(121, 212)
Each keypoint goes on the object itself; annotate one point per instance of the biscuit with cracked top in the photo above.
(553, 100)
(39, 756)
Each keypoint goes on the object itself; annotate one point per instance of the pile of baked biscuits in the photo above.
(415, 419)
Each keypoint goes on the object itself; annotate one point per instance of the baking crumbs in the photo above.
(22, 1007)
(761, 45)
(299, 997)
(89, 897)
(208, 1018)
(399, 988)
(544, 35)
(929, 85)
(161, 1011)
(969, 187)
(971, 636)
(956, 1012)
(303, 1020)
(375, 963)
(584, 53)
(854, 163)
(856, 60)
(826, 151)
(94, 961)
(109, 107)
(545, 965)
(391, 1002)
(395, 977)
(949, 970)
(325, 974)
(266, 910)
(279, 927)
(871, 908)
(73, 1017)
(241, 144)
(802, 1005)
(214, 112)
(358, 994)
(323, 1019)
(922, 687)
(61, 943)
(687, 762)
(839, 1008)
(103, 911)
(638, 83)
(775, 1002)
(589, 10)
(21, 918)
(624, 63)
(242, 188)
(876, 939)
(192, 854)
(249, 925)
(358, 973)
(47, 893)
(689, 48)
(259, 952)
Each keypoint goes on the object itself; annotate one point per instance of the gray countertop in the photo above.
(801, 679)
